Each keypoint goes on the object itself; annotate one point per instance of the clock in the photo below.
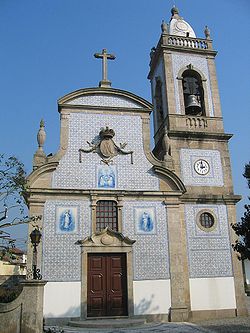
(182, 26)
(201, 167)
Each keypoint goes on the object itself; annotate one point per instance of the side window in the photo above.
(106, 215)
(206, 220)
(193, 93)
(158, 101)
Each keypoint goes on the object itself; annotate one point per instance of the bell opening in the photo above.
(193, 93)
(193, 106)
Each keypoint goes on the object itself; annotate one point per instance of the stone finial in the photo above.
(175, 11)
(164, 27)
(152, 52)
(41, 135)
(207, 32)
(39, 156)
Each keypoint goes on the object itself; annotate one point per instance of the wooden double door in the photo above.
(107, 285)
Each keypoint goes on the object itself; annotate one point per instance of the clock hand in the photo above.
(202, 166)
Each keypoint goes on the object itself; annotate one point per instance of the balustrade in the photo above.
(195, 122)
(194, 43)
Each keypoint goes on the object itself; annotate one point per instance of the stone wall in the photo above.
(24, 314)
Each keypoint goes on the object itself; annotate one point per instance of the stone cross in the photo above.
(104, 56)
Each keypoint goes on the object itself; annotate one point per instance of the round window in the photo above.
(206, 220)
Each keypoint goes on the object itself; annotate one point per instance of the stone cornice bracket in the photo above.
(39, 156)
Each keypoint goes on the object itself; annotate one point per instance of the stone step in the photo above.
(107, 323)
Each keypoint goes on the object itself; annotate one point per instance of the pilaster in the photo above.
(180, 294)
(214, 86)
(35, 209)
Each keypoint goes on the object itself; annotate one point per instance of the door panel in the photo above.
(96, 286)
(107, 285)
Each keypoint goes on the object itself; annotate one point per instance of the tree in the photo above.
(12, 186)
(242, 229)
(12, 194)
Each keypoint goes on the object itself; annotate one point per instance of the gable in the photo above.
(100, 97)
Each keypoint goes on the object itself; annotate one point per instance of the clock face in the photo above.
(180, 25)
(201, 167)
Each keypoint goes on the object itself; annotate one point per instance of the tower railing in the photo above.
(187, 42)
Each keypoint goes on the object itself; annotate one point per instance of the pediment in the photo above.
(105, 238)
(100, 97)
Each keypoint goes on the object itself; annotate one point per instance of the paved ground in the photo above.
(236, 325)
(147, 328)
(232, 325)
(229, 325)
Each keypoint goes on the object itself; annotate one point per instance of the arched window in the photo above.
(193, 93)
(106, 215)
(158, 100)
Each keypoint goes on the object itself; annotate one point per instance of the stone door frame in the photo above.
(106, 242)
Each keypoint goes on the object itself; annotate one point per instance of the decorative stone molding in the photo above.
(106, 241)
(111, 97)
(106, 237)
(106, 147)
(39, 156)
(196, 122)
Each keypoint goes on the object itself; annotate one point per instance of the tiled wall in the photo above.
(151, 260)
(86, 127)
(104, 100)
(188, 174)
(61, 257)
(209, 251)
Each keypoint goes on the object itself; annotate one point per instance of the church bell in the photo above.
(193, 106)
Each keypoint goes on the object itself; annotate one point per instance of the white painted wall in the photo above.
(247, 270)
(151, 296)
(7, 268)
(62, 299)
(212, 293)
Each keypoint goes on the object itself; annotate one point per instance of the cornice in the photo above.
(144, 104)
(204, 199)
(199, 135)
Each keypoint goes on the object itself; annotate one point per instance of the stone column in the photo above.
(93, 200)
(180, 294)
(119, 207)
(32, 306)
(237, 269)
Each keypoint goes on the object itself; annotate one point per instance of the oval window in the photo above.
(206, 220)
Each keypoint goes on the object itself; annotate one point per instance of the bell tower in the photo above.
(185, 93)
(183, 81)
(190, 140)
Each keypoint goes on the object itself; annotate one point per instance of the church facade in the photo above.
(127, 231)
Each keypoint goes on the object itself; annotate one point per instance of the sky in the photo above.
(47, 47)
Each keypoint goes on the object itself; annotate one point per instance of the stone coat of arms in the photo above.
(105, 146)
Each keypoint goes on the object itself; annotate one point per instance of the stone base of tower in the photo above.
(212, 314)
(178, 314)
